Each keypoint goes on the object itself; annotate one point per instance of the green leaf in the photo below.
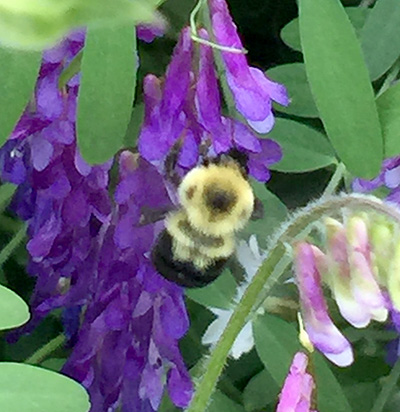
(218, 294)
(220, 402)
(380, 40)
(260, 391)
(330, 395)
(389, 114)
(14, 311)
(291, 35)
(340, 84)
(275, 212)
(276, 343)
(304, 148)
(294, 77)
(18, 71)
(37, 24)
(361, 395)
(31, 389)
(106, 92)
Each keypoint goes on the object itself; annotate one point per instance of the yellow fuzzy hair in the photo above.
(187, 243)
(227, 178)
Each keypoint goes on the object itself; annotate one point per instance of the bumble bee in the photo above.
(216, 201)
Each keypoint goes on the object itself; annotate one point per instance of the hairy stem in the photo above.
(9, 248)
(46, 350)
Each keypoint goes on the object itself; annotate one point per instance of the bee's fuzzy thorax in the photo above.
(217, 198)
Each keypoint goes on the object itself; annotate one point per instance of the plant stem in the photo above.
(9, 248)
(70, 71)
(335, 180)
(266, 277)
(388, 388)
(42, 353)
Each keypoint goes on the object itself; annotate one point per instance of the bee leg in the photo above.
(149, 215)
(203, 151)
(171, 160)
(258, 210)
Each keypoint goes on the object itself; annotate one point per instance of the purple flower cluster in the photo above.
(128, 345)
(86, 252)
(64, 200)
(360, 267)
(187, 104)
(388, 180)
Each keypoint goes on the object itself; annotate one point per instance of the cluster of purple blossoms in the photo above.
(92, 258)
(388, 180)
(128, 345)
(64, 200)
(360, 267)
(187, 103)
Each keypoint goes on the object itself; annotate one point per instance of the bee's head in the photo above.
(217, 198)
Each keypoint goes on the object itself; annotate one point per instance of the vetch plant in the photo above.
(90, 126)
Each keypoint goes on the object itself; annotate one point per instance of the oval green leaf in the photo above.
(380, 40)
(261, 391)
(330, 395)
(290, 34)
(28, 388)
(294, 77)
(304, 148)
(106, 92)
(14, 311)
(389, 114)
(340, 84)
(276, 343)
(18, 71)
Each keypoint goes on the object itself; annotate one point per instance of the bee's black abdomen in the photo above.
(182, 273)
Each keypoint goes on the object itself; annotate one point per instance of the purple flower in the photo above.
(252, 90)
(347, 269)
(324, 335)
(389, 177)
(128, 343)
(296, 394)
(165, 117)
(188, 105)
